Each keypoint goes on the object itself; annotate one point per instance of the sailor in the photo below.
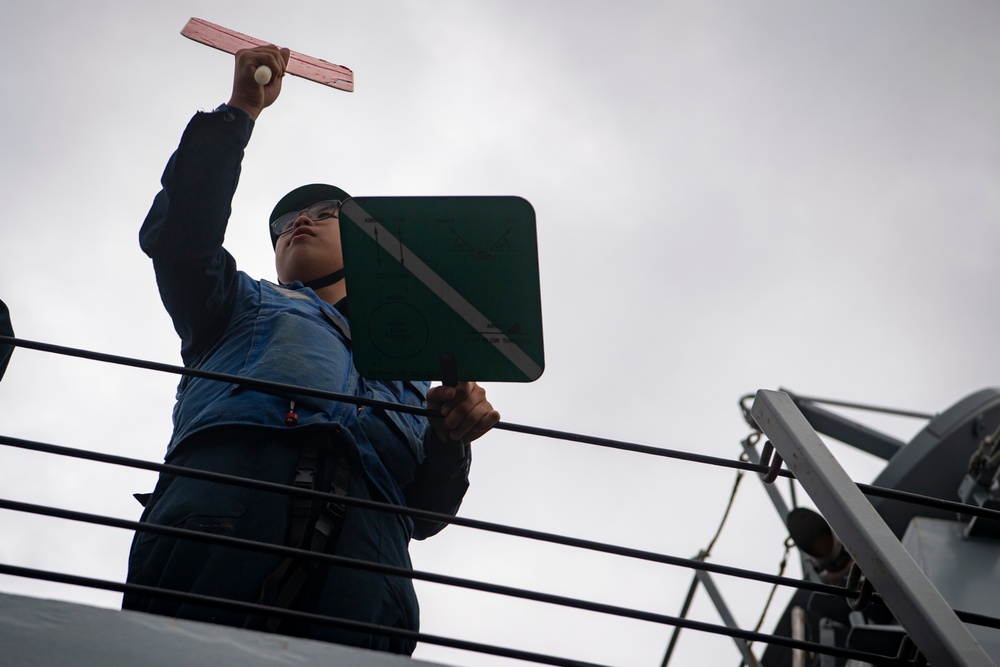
(5, 330)
(296, 332)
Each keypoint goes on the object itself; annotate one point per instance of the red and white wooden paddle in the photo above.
(307, 67)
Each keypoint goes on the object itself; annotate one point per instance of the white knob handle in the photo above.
(262, 75)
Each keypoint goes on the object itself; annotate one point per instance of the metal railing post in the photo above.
(918, 606)
(727, 617)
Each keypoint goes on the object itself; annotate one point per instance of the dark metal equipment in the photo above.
(910, 567)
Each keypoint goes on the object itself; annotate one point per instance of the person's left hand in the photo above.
(465, 412)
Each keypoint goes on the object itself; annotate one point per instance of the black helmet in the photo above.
(300, 198)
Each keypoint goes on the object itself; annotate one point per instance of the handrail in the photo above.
(700, 565)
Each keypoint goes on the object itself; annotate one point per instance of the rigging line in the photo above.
(861, 406)
(928, 501)
(433, 516)
(781, 570)
(257, 609)
(675, 635)
(725, 515)
(975, 618)
(280, 388)
(454, 643)
(704, 554)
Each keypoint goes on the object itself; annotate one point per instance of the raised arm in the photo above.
(184, 229)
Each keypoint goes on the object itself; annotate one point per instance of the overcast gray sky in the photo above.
(729, 196)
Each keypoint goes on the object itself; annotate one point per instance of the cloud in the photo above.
(728, 198)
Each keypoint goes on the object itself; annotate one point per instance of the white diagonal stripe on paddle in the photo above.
(425, 274)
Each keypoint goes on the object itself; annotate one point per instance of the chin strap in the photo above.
(330, 279)
(334, 277)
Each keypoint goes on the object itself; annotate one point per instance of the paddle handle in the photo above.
(449, 378)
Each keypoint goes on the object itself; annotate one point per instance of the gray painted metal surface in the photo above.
(849, 431)
(909, 594)
(937, 459)
(727, 617)
(42, 633)
(964, 570)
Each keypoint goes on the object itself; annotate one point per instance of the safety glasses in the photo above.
(321, 210)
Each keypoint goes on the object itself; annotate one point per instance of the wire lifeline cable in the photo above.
(867, 489)
(396, 571)
(252, 608)
(279, 387)
(272, 387)
(267, 386)
(101, 584)
(433, 516)
(331, 559)
(828, 589)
